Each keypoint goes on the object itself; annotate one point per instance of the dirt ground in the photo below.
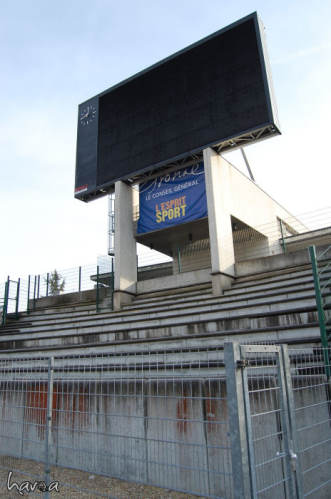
(90, 485)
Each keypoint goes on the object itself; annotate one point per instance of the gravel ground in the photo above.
(107, 487)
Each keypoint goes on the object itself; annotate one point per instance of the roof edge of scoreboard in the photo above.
(254, 15)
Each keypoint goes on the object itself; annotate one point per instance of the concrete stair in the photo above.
(274, 306)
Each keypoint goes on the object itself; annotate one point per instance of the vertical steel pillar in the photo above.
(49, 423)
(179, 260)
(5, 302)
(320, 310)
(27, 304)
(282, 233)
(17, 297)
(112, 283)
(238, 432)
(47, 283)
(80, 279)
(97, 291)
(34, 292)
(294, 456)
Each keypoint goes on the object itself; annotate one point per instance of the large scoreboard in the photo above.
(214, 93)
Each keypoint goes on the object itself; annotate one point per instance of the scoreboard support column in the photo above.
(125, 285)
(218, 192)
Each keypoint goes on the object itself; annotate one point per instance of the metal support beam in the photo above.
(247, 164)
(238, 436)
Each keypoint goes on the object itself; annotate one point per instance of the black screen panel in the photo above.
(212, 91)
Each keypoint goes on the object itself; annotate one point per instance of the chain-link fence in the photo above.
(283, 397)
(272, 238)
(156, 418)
(312, 413)
(254, 422)
(26, 294)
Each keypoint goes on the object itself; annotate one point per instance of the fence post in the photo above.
(5, 303)
(27, 304)
(320, 310)
(237, 420)
(38, 289)
(112, 283)
(34, 292)
(179, 260)
(17, 296)
(282, 233)
(79, 279)
(49, 423)
(97, 291)
(285, 359)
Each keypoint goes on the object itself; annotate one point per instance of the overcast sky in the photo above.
(55, 55)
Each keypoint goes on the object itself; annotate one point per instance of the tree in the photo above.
(56, 283)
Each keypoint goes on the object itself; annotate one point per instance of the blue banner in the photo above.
(172, 199)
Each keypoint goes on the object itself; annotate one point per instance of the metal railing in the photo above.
(271, 238)
(91, 282)
(312, 415)
(148, 417)
(280, 421)
(276, 237)
(253, 423)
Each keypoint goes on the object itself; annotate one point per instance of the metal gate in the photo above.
(263, 422)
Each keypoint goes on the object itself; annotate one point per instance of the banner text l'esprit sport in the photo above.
(172, 199)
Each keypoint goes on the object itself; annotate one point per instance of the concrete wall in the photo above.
(238, 196)
(277, 262)
(174, 281)
(155, 271)
(172, 433)
(151, 431)
(125, 243)
(68, 298)
(230, 194)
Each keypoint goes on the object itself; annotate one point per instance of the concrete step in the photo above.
(238, 289)
(140, 303)
(296, 327)
(230, 294)
(298, 279)
(287, 293)
(192, 288)
(279, 278)
(195, 311)
(55, 312)
(171, 294)
(190, 296)
(284, 292)
(276, 306)
(64, 308)
(283, 271)
(276, 273)
(190, 323)
(292, 298)
(25, 319)
(306, 335)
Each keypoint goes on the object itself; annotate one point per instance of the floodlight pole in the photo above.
(247, 164)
